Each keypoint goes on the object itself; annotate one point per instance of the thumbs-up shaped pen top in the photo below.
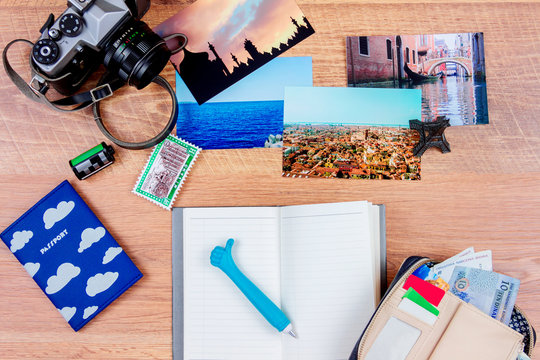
(221, 257)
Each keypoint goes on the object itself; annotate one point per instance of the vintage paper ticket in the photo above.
(166, 170)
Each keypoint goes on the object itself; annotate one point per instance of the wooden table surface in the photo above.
(485, 193)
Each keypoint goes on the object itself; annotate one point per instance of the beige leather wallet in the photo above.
(461, 331)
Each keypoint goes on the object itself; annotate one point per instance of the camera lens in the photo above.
(136, 54)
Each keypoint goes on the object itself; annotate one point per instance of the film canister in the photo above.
(92, 161)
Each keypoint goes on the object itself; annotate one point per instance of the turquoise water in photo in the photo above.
(229, 125)
(462, 100)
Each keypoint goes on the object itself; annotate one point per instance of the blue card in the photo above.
(70, 255)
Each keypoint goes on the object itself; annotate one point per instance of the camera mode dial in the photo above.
(45, 51)
(70, 25)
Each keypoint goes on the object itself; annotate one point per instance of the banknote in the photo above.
(493, 293)
(427, 273)
(481, 260)
(467, 251)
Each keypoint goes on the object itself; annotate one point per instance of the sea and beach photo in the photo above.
(351, 133)
(248, 114)
(229, 39)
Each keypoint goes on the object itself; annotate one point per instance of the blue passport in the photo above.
(70, 255)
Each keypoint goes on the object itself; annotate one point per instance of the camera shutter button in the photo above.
(71, 25)
(55, 34)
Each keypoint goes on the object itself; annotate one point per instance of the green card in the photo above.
(415, 297)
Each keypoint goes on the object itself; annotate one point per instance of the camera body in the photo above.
(94, 32)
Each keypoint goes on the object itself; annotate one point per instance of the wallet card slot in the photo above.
(389, 313)
(447, 309)
(471, 334)
(382, 316)
(426, 331)
(413, 321)
(395, 341)
(430, 334)
(433, 339)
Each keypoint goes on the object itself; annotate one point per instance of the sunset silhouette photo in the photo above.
(229, 39)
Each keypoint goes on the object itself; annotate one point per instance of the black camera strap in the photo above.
(38, 88)
(148, 143)
(16, 78)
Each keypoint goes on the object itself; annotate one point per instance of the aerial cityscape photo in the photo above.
(350, 151)
(360, 134)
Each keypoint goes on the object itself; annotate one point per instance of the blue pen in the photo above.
(221, 257)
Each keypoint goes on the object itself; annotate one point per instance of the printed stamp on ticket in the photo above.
(166, 170)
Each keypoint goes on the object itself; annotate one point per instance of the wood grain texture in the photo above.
(485, 193)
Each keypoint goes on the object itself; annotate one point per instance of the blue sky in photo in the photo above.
(264, 84)
(352, 106)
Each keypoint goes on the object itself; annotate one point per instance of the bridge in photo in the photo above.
(464, 62)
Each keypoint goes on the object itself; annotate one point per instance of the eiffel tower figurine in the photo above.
(434, 137)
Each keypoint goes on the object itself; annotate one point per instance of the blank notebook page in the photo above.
(219, 322)
(326, 278)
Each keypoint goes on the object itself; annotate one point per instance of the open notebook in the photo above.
(322, 264)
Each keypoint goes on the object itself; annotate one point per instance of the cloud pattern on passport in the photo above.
(53, 215)
(89, 311)
(20, 238)
(73, 281)
(68, 312)
(90, 236)
(64, 274)
(110, 254)
(31, 268)
(100, 282)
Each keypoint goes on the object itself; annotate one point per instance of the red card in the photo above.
(428, 291)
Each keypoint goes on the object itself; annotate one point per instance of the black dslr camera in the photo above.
(90, 33)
